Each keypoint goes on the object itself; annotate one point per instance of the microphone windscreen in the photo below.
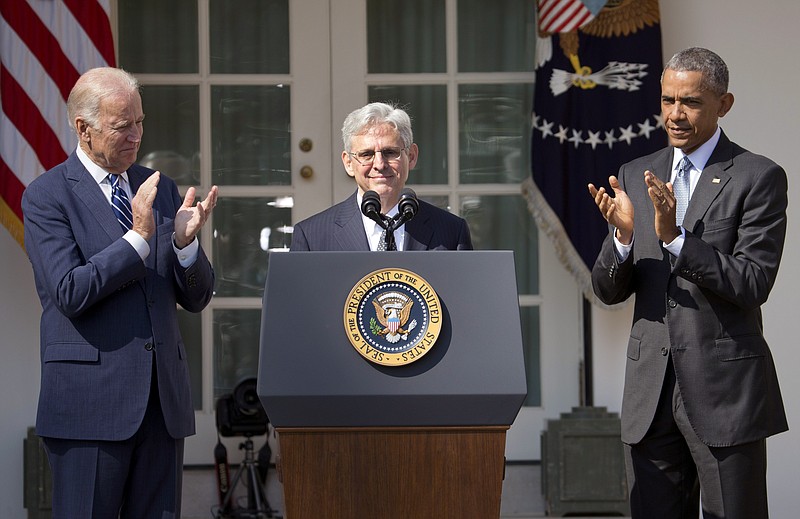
(371, 204)
(408, 205)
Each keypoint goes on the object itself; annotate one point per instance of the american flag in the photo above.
(563, 15)
(45, 45)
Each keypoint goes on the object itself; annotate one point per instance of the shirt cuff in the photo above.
(138, 243)
(188, 254)
(675, 246)
(623, 251)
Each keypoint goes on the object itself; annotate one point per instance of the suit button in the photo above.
(672, 303)
(664, 351)
(148, 346)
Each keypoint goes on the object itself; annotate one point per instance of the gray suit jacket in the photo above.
(703, 308)
(340, 228)
(106, 315)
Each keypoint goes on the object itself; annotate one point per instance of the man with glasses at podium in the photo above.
(379, 151)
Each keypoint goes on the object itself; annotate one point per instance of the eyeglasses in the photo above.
(367, 157)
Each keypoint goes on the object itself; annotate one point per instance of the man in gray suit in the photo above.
(379, 151)
(701, 391)
(114, 250)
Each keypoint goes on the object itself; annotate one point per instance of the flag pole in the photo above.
(587, 379)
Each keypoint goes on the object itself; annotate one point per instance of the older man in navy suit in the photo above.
(697, 235)
(379, 151)
(114, 249)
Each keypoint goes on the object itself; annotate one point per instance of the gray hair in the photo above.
(93, 87)
(376, 114)
(697, 59)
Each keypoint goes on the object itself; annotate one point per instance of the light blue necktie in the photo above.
(681, 189)
(120, 203)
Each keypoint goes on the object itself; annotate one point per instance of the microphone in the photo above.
(371, 207)
(408, 206)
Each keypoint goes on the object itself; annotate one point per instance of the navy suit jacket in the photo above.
(341, 228)
(106, 315)
(704, 307)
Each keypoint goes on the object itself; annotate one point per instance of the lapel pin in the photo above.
(715, 180)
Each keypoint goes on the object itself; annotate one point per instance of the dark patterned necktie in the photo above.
(382, 243)
(681, 189)
(120, 203)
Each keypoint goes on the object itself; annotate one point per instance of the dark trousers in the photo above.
(671, 471)
(138, 478)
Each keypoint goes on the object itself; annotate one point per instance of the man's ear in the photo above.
(82, 129)
(413, 155)
(726, 102)
(347, 160)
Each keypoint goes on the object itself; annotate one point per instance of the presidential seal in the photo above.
(392, 317)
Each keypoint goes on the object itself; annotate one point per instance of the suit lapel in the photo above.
(349, 231)
(87, 190)
(710, 184)
(418, 231)
(663, 165)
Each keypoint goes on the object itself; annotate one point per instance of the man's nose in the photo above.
(135, 133)
(676, 112)
(378, 161)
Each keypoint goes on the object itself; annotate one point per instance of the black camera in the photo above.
(241, 413)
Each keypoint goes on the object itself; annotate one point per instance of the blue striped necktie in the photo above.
(681, 189)
(120, 203)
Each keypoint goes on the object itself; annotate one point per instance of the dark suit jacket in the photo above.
(340, 228)
(703, 308)
(106, 315)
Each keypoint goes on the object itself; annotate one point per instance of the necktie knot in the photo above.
(684, 167)
(120, 203)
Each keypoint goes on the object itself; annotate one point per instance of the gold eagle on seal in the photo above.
(393, 310)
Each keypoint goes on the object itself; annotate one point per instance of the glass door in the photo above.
(237, 94)
(251, 95)
(463, 69)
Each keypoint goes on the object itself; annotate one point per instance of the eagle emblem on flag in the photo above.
(595, 108)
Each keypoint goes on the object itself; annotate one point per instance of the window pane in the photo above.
(249, 36)
(506, 50)
(494, 133)
(427, 107)
(250, 135)
(439, 201)
(152, 41)
(245, 229)
(529, 316)
(190, 326)
(502, 222)
(236, 344)
(171, 142)
(405, 36)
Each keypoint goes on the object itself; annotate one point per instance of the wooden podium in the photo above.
(359, 440)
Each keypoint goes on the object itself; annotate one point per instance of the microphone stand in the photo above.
(370, 206)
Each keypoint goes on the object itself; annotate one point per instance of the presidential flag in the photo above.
(45, 45)
(596, 106)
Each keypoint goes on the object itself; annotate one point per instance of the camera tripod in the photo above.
(257, 504)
